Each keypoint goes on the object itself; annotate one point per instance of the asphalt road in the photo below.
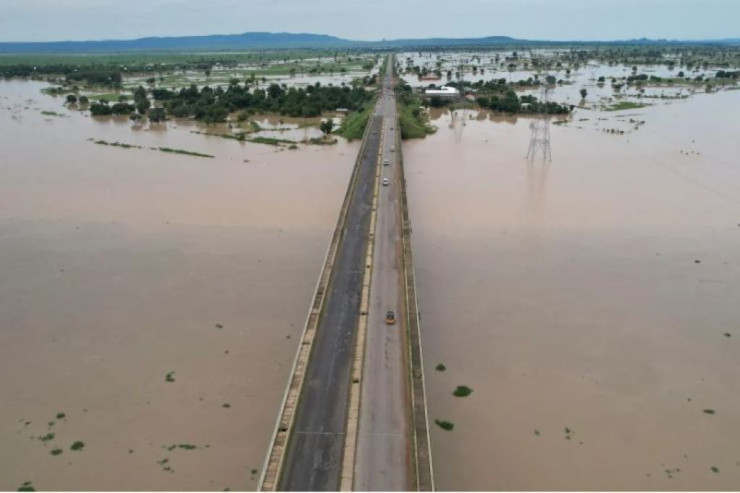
(314, 453)
(382, 460)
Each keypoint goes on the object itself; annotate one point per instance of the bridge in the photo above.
(353, 415)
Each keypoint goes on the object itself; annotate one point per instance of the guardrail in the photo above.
(421, 444)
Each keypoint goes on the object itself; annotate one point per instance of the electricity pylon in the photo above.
(539, 140)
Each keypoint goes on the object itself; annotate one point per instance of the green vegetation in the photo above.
(27, 486)
(625, 105)
(537, 432)
(440, 367)
(187, 446)
(50, 113)
(353, 125)
(226, 405)
(709, 411)
(270, 141)
(181, 151)
(568, 433)
(214, 105)
(727, 334)
(117, 144)
(61, 415)
(170, 377)
(56, 451)
(78, 445)
(445, 425)
(413, 122)
(462, 391)
(714, 469)
(47, 437)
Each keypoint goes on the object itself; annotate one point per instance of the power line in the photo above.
(539, 140)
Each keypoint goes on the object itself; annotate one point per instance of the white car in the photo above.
(386, 162)
(386, 182)
(393, 148)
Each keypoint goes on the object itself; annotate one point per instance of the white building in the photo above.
(442, 92)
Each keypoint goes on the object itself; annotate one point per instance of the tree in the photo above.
(71, 98)
(84, 100)
(326, 126)
(584, 93)
(142, 105)
(156, 115)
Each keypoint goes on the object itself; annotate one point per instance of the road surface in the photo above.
(383, 454)
(314, 453)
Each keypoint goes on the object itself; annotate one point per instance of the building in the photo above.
(442, 92)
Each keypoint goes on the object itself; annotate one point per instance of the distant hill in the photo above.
(256, 40)
(265, 40)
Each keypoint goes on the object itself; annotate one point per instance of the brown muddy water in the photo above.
(590, 303)
(121, 266)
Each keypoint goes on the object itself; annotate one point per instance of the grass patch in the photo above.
(353, 125)
(27, 486)
(715, 469)
(182, 151)
(61, 415)
(440, 367)
(78, 445)
(625, 105)
(50, 113)
(445, 425)
(226, 405)
(709, 411)
(45, 438)
(537, 432)
(413, 123)
(462, 391)
(56, 451)
(187, 446)
(727, 334)
(117, 144)
(170, 377)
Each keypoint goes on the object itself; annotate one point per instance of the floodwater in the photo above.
(121, 266)
(590, 303)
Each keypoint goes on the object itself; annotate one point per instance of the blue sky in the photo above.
(49, 20)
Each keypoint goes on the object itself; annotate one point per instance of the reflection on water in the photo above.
(590, 303)
(119, 266)
(537, 171)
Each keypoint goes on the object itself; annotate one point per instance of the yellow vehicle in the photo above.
(390, 317)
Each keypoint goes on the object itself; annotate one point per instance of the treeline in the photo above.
(413, 123)
(510, 102)
(214, 104)
(93, 74)
(727, 74)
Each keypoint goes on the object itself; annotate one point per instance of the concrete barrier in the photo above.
(421, 444)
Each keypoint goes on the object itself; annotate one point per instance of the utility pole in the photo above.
(539, 141)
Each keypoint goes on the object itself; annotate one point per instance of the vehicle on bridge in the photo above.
(390, 317)
(386, 162)
(386, 182)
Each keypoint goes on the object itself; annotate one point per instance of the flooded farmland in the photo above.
(590, 303)
(150, 301)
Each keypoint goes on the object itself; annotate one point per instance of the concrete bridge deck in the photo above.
(354, 413)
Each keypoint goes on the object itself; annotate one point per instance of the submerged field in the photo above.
(589, 303)
(150, 300)
(579, 316)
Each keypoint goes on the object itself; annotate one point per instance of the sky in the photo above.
(61, 20)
